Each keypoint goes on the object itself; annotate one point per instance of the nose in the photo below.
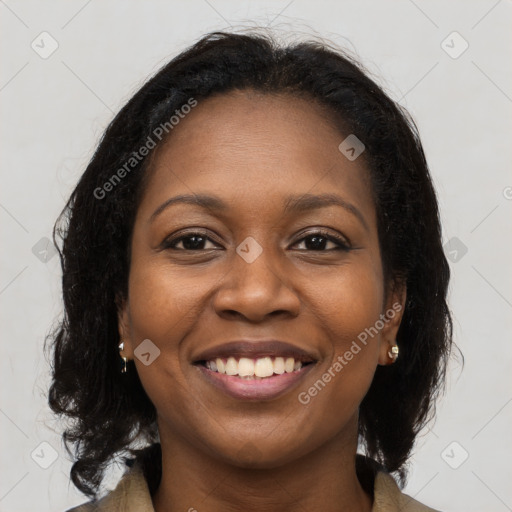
(256, 290)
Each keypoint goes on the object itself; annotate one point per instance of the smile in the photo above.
(264, 378)
(260, 368)
(254, 369)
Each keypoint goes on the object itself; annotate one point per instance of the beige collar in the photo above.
(132, 495)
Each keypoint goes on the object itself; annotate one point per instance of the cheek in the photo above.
(164, 301)
(346, 308)
(163, 308)
(348, 302)
(165, 304)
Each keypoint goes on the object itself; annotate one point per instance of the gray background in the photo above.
(55, 109)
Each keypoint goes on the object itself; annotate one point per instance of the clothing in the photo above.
(132, 495)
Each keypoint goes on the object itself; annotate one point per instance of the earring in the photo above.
(121, 348)
(393, 353)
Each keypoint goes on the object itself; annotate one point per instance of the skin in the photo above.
(221, 453)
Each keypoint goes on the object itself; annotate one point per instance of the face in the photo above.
(287, 250)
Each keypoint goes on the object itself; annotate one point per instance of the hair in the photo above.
(110, 411)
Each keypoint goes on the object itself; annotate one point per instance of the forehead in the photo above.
(256, 148)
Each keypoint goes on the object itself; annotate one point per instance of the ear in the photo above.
(392, 317)
(123, 323)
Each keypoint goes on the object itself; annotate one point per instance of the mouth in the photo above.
(250, 369)
(255, 370)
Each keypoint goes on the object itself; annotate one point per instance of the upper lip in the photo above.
(255, 349)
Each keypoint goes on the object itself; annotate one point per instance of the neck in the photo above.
(325, 478)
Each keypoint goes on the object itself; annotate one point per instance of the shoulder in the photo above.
(389, 498)
(130, 495)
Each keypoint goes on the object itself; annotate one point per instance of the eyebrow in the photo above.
(292, 204)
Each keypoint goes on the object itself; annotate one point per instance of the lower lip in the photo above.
(255, 389)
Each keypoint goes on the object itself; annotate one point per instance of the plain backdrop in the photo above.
(448, 63)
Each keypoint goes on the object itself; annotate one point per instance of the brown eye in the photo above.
(320, 242)
(190, 242)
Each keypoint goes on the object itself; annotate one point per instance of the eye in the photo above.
(316, 241)
(319, 241)
(193, 241)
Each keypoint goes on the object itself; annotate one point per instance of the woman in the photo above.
(254, 287)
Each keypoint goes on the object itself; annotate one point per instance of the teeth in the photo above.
(263, 367)
(279, 365)
(245, 367)
(231, 366)
(254, 368)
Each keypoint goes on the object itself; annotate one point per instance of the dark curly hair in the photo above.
(110, 411)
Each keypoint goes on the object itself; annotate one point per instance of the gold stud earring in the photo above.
(121, 348)
(393, 353)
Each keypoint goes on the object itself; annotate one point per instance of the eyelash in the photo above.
(340, 242)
